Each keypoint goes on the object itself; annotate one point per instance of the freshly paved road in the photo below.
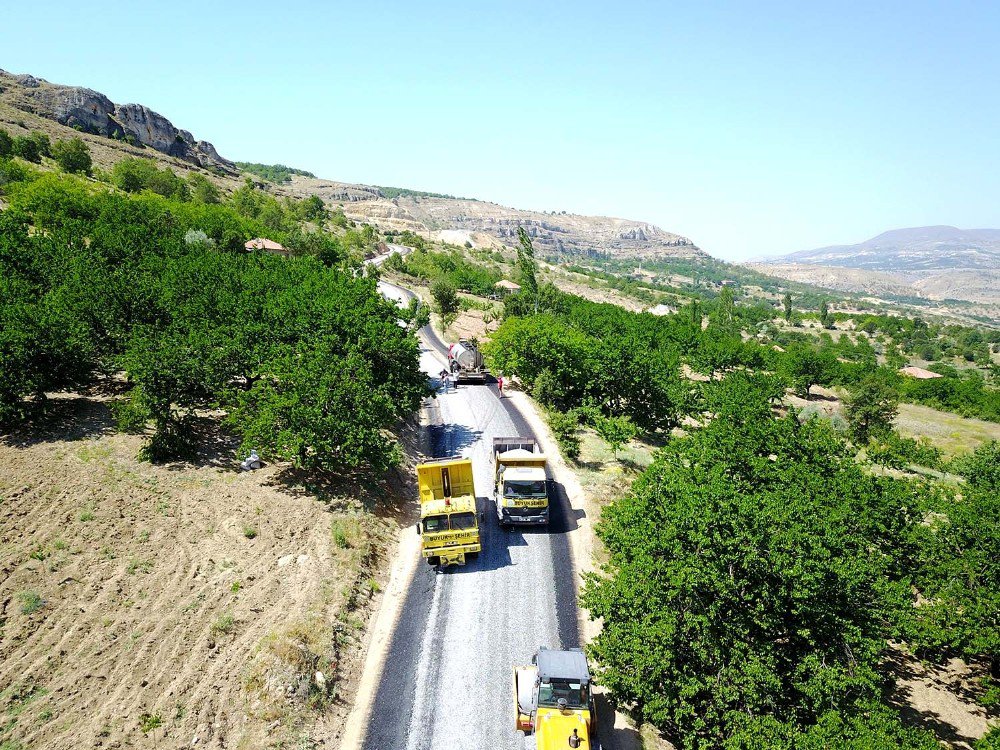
(446, 684)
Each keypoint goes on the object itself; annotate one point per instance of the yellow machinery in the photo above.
(521, 488)
(449, 519)
(552, 699)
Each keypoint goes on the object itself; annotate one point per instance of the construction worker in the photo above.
(500, 385)
(444, 380)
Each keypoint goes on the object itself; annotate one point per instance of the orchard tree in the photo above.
(787, 302)
(750, 579)
(871, 408)
(958, 566)
(445, 297)
(806, 367)
(615, 431)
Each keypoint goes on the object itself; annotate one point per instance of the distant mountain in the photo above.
(937, 262)
(919, 249)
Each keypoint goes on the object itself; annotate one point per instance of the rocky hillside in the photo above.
(91, 112)
(451, 219)
(936, 262)
(480, 222)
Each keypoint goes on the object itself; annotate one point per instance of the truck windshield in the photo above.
(435, 523)
(524, 489)
(461, 521)
(550, 692)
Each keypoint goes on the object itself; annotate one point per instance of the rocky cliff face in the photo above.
(92, 112)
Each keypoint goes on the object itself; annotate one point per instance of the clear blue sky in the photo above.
(753, 128)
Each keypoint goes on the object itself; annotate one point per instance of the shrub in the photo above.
(564, 427)
(73, 155)
(27, 148)
(6, 144)
(30, 601)
(149, 722)
(223, 625)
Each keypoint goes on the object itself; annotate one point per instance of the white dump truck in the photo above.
(466, 362)
(521, 488)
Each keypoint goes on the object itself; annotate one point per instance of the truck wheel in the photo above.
(433, 560)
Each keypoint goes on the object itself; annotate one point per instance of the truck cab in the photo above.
(521, 488)
(553, 700)
(449, 514)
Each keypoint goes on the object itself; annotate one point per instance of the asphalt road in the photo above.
(446, 684)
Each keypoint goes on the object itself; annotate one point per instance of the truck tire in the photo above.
(433, 560)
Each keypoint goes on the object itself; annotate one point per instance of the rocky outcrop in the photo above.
(91, 111)
(80, 108)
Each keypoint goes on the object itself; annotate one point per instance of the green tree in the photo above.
(203, 190)
(787, 302)
(526, 264)
(725, 306)
(313, 209)
(807, 367)
(750, 574)
(958, 568)
(73, 155)
(27, 148)
(445, 297)
(6, 144)
(871, 408)
(825, 318)
(43, 142)
(615, 431)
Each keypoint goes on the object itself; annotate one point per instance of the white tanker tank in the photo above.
(466, 362)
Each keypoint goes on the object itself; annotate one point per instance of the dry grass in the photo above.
(949, 432)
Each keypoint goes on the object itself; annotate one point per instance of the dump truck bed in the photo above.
(448, 478)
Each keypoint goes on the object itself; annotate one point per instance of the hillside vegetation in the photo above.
(765, 570)
(304, 355)
(278, 173)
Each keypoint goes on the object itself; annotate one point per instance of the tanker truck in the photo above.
(466, 362)
(521, 489)
(553, 701)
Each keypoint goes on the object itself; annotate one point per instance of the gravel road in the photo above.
(446, 683)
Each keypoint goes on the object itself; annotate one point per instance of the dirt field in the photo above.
(162, 606)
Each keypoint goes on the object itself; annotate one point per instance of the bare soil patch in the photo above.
(146, 605)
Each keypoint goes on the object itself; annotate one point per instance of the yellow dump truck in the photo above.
(521, 488)
(449, 518)
(552, 700)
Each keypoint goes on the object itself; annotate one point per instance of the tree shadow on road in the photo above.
(451, 439)
(622, 737)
